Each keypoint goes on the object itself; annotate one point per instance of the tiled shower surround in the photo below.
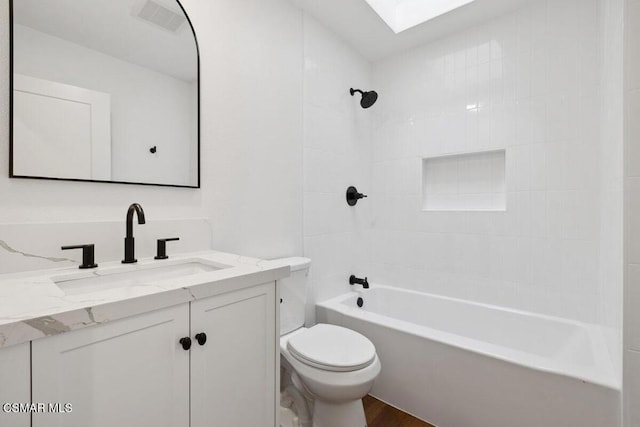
(542, 83)
(337, 154)
(536, 84)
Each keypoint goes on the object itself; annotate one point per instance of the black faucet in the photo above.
(129, 242)
(353, 280)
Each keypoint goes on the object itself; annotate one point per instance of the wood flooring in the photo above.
(379, 414)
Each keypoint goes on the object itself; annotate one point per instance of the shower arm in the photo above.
(353, 91)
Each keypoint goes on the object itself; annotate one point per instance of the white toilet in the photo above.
(331, 366)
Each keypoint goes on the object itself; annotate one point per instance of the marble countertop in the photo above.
(33, 306)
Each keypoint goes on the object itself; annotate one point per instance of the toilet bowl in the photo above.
(330, 366)
(334, 367)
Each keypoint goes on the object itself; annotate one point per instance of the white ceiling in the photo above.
(357, 23)
(109, 26)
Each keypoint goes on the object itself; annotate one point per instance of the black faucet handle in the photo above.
(88, 254)
(162, 247)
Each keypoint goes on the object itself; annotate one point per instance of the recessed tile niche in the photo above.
(464, 182)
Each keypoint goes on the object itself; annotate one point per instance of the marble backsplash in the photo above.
(35, 246)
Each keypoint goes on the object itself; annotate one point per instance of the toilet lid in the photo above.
(332, 348)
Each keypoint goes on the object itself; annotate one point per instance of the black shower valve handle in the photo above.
(353, 195)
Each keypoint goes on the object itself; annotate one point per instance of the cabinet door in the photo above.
(130, 372)
(14, 384)
(233, 373)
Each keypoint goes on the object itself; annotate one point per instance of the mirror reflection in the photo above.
(105, 90)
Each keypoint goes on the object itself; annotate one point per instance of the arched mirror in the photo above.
(104, 90)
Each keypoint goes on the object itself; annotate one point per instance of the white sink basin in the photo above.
(128, 276)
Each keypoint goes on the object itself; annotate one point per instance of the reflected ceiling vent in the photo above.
(161, 16)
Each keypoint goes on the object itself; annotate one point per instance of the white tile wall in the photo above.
(535, 83)
(631, 379)
(337, 154)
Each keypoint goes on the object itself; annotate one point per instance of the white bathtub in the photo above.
(456, 363)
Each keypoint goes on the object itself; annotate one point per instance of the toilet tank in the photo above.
(293, 293)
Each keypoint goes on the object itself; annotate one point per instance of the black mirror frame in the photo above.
(12, 175)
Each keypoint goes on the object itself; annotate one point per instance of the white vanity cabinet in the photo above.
(135, 371)
(130, 372)
(14, 384)
(233, 374)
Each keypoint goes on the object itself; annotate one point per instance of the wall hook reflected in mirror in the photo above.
(153, 149)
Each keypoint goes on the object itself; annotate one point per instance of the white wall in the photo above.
(251, 65)
(530, 82)
(631, 379)
(337, 154)
(251, 62)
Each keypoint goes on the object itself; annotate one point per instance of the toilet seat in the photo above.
(332, 348)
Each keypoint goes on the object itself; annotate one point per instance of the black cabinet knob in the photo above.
(186, 343)
(201, 338)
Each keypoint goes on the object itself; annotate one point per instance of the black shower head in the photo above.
(368, 98)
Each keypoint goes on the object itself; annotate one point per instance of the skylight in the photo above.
(401, 15)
